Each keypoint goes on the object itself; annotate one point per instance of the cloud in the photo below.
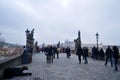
(58, 20)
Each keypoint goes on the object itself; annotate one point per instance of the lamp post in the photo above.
(97, 35)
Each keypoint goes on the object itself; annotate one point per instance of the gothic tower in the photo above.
(77, 41)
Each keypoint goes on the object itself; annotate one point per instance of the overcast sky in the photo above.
(58, 20)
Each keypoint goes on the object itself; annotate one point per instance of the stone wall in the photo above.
(11, 61)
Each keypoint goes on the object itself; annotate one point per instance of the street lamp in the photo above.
(97, 35)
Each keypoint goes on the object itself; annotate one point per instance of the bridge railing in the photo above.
(10, 58)
(9, 62)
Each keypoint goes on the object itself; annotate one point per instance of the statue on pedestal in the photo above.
(28, 50)
(77, 41)
(29, 40)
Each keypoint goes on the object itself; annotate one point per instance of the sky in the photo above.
(60, 20)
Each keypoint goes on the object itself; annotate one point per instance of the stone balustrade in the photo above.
(14, 60)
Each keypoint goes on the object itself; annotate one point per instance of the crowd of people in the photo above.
(82, 52)
(111, 53)
(50, 52)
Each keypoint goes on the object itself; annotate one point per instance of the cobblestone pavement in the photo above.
(68, 69)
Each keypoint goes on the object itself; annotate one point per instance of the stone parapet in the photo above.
(9, 62)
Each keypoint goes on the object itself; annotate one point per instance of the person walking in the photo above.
(50, 53)
(57, 52)
(79, 52)
(68, 52)
(95, 53)
(54, 51)
(115, 57)
(85, 54)
(109, 54)
(101, 54)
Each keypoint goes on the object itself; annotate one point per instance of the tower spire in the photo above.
(79, 38)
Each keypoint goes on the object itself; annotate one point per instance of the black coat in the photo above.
(68, 50)
(101, 53)
(50, 51)
(85, 52)
(115, 53)
(79, 51)
(109, 52)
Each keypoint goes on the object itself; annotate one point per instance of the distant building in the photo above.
(90, 46)
(69, 44)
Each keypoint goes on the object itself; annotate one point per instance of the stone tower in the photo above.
(77, 41)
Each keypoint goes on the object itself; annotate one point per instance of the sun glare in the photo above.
(64, 3)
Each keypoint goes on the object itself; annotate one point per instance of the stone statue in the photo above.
(77, 41)
(29, 40)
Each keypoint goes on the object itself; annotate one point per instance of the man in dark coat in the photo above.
(115, 56)
(109, 54)
(79, 52)
(95, 53)
(68, 52)
(101, 54)
(50, 53)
